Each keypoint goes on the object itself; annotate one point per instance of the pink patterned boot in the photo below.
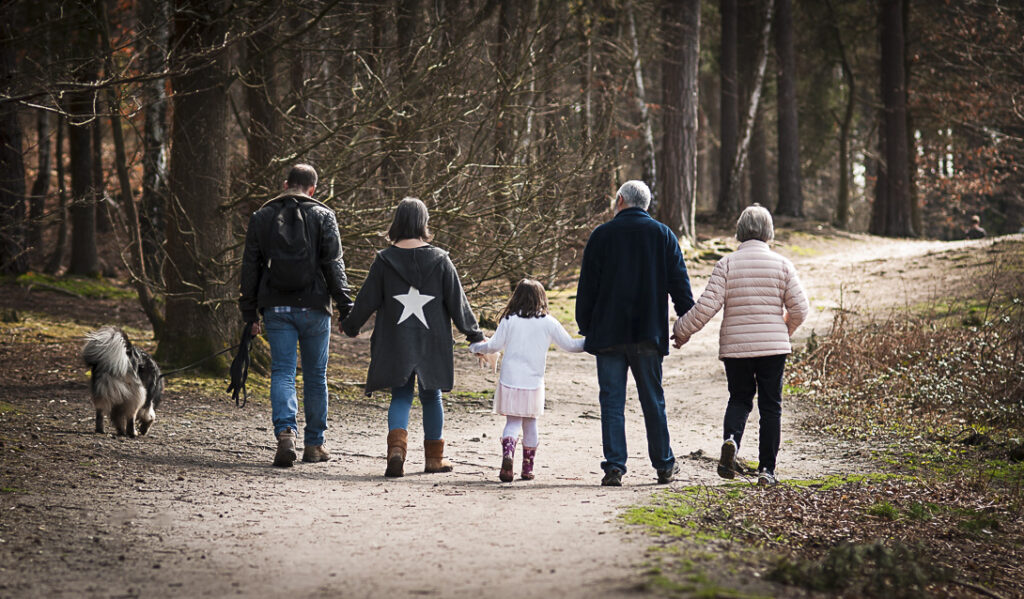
(508, 452)
(528, 454)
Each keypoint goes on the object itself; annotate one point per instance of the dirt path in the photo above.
(195, 510)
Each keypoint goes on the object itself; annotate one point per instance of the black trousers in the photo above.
(747, 376)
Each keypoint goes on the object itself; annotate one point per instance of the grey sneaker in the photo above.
(766, 478)
(612, 478)
(668, 475)
(727, 463)
(286, 455)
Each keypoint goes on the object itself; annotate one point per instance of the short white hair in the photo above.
(635, 194)
(755, 223)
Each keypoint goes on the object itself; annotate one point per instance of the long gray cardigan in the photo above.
(417, 295)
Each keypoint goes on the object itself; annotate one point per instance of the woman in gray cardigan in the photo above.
(417, 295)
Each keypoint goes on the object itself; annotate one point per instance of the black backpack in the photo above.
(291, 254)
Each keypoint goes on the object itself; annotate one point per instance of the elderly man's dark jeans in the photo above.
(645, 363)
(747, 376)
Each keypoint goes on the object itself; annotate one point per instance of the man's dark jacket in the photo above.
(398, 349)
(322, 229)
(631, 266)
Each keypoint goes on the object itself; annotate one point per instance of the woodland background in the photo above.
(137, 136)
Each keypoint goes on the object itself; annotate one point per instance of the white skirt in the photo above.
(525, 403)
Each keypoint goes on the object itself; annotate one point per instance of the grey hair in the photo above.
(755, 223)
(635, 194)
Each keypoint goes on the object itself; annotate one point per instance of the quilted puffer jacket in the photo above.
(763, 300)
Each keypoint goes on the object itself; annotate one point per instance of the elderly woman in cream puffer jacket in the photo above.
(764, 304)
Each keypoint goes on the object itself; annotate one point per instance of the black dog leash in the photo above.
(240, 367)
(198, 362)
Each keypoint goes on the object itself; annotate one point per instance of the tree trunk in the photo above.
(84, 258)
(61, 244)
(13, 257)
(105, 206)
(791, 199)
(915, 204)
(842, 213)
(733, 188)
(650, 171)
(505, 60)
(200, 310)
(880, 207)
(40, 187)
(155, 18)
(137, 267)
(729, 117)
(749, 29)
(680, 102)
(898, 212)
(297, 74)
(759, 179)
(260, 97)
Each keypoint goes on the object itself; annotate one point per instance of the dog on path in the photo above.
(125, 381)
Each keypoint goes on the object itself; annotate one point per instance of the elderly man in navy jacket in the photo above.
(631, 266)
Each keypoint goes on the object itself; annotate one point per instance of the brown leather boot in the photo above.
(285, 456)
(315, 453)
(435, 461)
(397, 441)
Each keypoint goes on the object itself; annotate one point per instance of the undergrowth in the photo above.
(947, 371)
(935, 394)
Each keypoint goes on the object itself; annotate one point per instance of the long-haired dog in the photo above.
(126, 382)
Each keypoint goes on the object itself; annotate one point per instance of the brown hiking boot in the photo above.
(315, 453)
(286, 455)
(435, 462)
(397, 442)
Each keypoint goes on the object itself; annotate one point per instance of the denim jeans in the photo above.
(311, 331)
(433, 411)
(645, 364)
(762, 375)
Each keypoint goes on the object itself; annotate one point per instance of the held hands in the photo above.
(679, 340)
(488, 361)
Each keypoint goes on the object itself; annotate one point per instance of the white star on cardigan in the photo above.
(412, 305)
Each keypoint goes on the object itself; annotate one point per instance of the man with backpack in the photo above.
(291, 269)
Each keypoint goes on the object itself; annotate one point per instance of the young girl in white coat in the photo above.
(525, 331)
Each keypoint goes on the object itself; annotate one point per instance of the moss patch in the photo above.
(86, 287)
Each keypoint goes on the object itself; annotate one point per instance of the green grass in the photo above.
(829, 483)
(88, 287)
(979, 524)
(6, 407)
(921, 511)
(672, 513)
(788, 389)
(562, 305)
(802, 251)
(884, 509)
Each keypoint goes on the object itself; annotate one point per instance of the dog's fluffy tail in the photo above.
(105, 351)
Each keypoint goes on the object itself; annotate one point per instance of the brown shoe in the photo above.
(397, 443)
(286, 455)
(435, 461)
(315, 453)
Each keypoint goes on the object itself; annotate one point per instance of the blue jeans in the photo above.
(645, 364)
(433, 411)
(311, 331)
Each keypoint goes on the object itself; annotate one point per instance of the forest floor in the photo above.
(195, 508)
